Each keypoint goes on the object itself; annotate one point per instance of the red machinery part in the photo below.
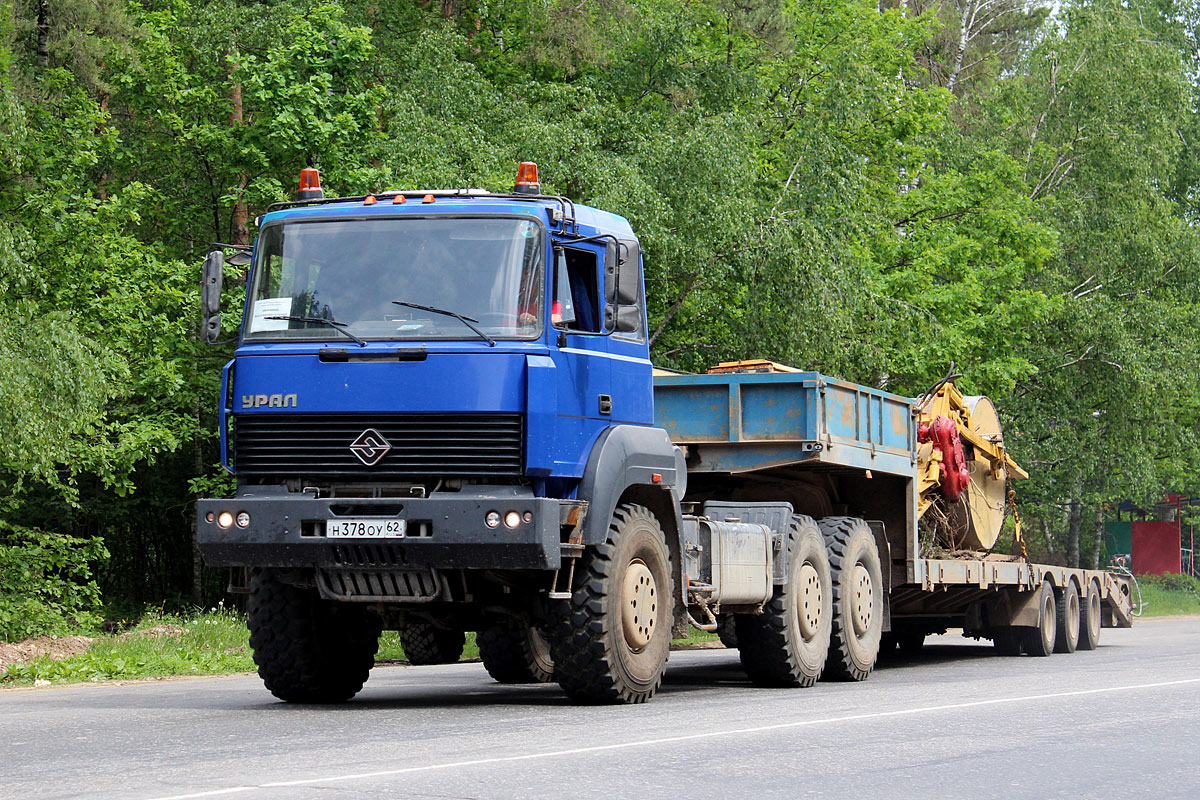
(943, 432)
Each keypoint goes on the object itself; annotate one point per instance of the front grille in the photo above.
(410, 585)
(368, 555)
(422, 445)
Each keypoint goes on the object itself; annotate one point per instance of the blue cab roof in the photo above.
(589, 220)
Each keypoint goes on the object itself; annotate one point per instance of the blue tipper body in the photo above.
(746, 422)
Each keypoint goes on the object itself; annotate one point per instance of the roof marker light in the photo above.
(369, 200)
(310, 185)
(398, 199)
(527, 179)
(427, 198)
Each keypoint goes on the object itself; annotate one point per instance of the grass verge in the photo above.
(160, 645)
(1169, 595)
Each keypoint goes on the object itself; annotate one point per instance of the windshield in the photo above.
(350, 272)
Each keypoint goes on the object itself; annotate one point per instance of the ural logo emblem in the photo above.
(370, 446)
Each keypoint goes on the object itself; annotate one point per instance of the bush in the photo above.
(1172, 582)
(46, 583)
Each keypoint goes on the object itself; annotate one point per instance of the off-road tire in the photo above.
(1089, 618)
(1007, 641)
(426, 644)
(788, 644)
(515, 653)
(857, 584)
(309, 650)
(1039, 640)
(727, 630)
(1067, 611)
(594, 644)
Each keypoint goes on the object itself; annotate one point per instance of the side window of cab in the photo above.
(576, 305)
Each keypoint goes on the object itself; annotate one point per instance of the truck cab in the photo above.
(438, 400)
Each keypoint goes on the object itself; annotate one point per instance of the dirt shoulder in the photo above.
(53, 646)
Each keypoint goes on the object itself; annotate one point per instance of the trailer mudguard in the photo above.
(631, 456)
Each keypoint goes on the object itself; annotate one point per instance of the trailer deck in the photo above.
(739, 424)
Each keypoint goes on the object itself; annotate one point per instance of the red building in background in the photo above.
(1162, 544)
(1156, 547)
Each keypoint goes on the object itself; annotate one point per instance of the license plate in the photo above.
(365, 529)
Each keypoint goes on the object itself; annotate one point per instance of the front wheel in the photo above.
(613, 639)
(309, 650)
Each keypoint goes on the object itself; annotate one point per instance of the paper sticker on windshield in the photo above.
(270, 307)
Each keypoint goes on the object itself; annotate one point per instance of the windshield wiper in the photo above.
(463, 319)
(340, 327)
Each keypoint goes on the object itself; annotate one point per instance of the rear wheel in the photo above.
(1066, 608)
(1089, 618)
(515, 653)
(309, 650)
(1039, 640)
(858, 599)
(425, 644)
(788, 644)
(614, 636)
(727, 630)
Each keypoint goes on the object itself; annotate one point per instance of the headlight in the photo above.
(512, 519)
(492, 519)
(225, 519)
(243, 519)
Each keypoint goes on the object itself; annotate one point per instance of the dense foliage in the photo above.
(869, 190)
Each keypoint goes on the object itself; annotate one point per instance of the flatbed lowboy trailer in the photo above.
(830, 447)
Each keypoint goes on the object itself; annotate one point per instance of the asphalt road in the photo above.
(956, 722)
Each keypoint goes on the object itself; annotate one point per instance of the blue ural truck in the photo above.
(443, 418)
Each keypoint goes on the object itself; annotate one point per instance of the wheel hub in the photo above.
(639, 606)
(864, 599)
(810, 601)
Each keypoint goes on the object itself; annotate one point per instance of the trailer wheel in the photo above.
(1066, 611)
(515, 653)
(614, 637)
(309, 650)
(1007, 641)
(1039, 640)
(857, 598)
(1089, 618)
(788, 644)
(425, 644)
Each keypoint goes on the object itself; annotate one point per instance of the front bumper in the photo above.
(446, 531)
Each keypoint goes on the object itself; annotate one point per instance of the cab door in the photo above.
(581, 353)
(632, 376)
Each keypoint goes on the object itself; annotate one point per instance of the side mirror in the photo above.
(210, 294)
(622, 286)
(622, 319)
(622, 273)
